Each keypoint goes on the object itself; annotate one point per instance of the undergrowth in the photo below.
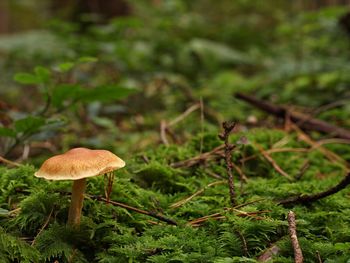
(33, 211)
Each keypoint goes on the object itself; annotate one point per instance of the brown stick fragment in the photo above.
(4, 160)
(306, 199)
(304, 121)
(140, 211)
(163, 137)
(184, 201)
(228, 128)
(273, 163)
(298, 254)
(201, 158)
(269, 253)
(318, 257)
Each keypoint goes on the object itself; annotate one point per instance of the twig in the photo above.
(305, 122)
(303, 169)
(217, 216)
(43, 227)
(269, 253)
(4, 160)
(228, 128)
(306, 199)
(128, 207)
(298, 254)
(199, 158)
(333, 157)
(249, 203)
(274, 150)
(273, 163)
(244, 243)
(318, 257)
(184, 114)
(184, 201)
(163, 137)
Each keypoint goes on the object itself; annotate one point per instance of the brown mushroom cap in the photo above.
(79, 163)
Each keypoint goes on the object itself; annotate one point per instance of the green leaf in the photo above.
(107, 93)
(43, 74)
(64, 67)
(7, 132)
(87, 59)
(26, 78)
(65, 92)
(29, 124)
(4, 212)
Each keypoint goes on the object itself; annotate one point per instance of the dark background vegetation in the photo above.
(117, 75)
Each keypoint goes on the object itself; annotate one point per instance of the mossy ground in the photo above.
(37, 209)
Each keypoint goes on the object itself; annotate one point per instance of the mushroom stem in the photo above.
(76, 204)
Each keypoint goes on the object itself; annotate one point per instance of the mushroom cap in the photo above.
(79, 163)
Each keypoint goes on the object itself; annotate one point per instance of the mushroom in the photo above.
(77, 164)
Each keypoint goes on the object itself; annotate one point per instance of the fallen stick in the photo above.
(228, 128)
(140, 211)
(302, 120)
(306, 199)
(215, 153)
(298, 254)
(268, 254)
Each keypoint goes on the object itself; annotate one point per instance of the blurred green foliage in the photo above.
(110, 85)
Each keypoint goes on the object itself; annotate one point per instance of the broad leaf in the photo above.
(26, 78)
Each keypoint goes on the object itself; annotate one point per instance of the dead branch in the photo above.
(4, 160)
(201, 158)
(333, 157)
(269, 253)
(137, 210)
(184, 201)
(298, 254)
(218, 216)
(307, 199)
(302, 120)
(273, 163)
(228, 128)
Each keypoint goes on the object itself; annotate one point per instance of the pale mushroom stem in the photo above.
(77, 199)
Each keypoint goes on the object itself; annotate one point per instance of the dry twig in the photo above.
(273, 163)
(201, 158)
(269, 253)
(228, 128)
(306, 199)
(305, 122)
(4, 160)
(298, 254)
(184, 201)
(140, 211)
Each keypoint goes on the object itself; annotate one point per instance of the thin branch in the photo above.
(298, 254)
(218, 216)
(304, 121)
(4, 160)
(43, 227)
(184, 201)
(201, 158)
(182, 116)
(267, 255)
(228, 128)
(137, 210)
(273, 163)
(244, 243)
(306, 199)
(163, 137)
(318, 257)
